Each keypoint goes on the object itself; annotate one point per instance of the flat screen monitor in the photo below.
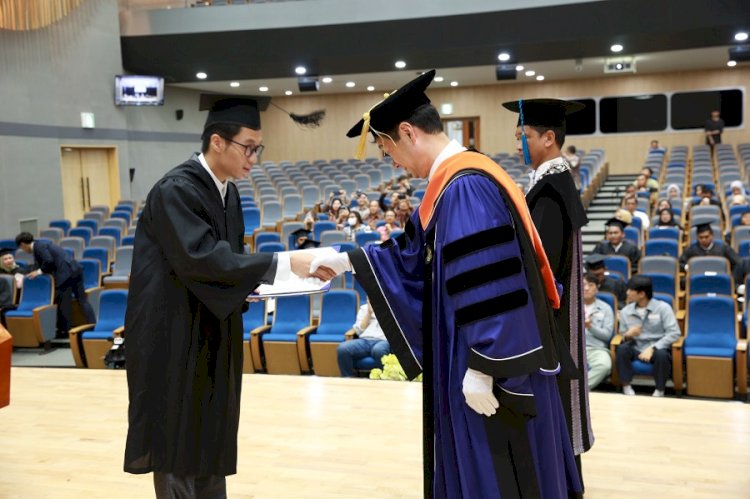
(139, 90)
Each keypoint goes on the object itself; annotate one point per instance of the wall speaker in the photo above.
(505, 71)
(308, 83)
(740, 53)
(178, 114)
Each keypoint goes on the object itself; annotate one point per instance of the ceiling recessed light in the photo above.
(519, 68)
(731, 64)
(350, 84)
(201, 75)
(439, 79)
(530, 72)
(327, 79)
(454, 84)
(300, 70)
(740, 36)
(616, 47)
(288, 92)
(234, 84)
(263, 89)
(504, 56)
(400, 64)
(370, 88)
(539, 77)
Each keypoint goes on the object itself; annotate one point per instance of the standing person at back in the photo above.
(465, 296)
(50, 258)
(713, 129)
(558, 214)
(188, 285)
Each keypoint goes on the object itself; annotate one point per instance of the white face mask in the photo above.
(353, 221)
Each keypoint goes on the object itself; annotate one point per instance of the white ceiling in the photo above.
(654, 62)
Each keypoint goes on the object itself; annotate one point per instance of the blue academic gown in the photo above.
(461, 283)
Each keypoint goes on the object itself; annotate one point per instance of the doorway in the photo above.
(90, 177)
(465, 131)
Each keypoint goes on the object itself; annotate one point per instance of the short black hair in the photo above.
(650, 171)
(425, 117)
(590, 279)
(224, 130)
(24, 238)
(572, 149)
(642, 283)
(559, 132)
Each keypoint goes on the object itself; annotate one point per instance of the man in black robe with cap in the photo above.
(596, 268)
(558, 215)
(188, 285)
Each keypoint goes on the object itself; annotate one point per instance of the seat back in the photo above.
(711, 323)
(332, 237)
(664, 233)
(77, 244)
(619, 264)
(322, 225)
(270, 214)
(100, 254)
(123, 261)
(663, 283)
(286, 233)
(54, 234)
(90, 223)
(254, 317)
(113, 232)
(112, 305)
(84, 233)
(61, 224)
(658, 265)
(36, 292)
(365, 238)
(107, 242)
(668, 247)
(292, 314)
(92, 275)
(292, 205)
(338, 311)
(7, 290)
(704, 264)
(270, 247)
(267, 237)
(716, 284)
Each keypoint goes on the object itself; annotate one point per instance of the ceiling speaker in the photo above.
(505, 71)
(741, 53)
(308, 83)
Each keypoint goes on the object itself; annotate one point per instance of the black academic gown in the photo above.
(183, 327)
(558, 215)
(627, 249)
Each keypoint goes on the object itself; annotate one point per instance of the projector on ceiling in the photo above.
(619, 65)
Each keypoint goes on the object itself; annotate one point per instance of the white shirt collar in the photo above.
(535, 175)
(221, 186)
(451, 149)
(617, 248)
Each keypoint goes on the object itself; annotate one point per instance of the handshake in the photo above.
(320, 266)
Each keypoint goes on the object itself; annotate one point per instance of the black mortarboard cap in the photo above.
(7, 251)
(233, 109)
(309, 244)
(595, 261)
(301, 233)
(704, 227)
(395, 107)
(616, 222)
(543, 112)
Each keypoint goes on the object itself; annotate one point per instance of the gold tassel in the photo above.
(360, 154)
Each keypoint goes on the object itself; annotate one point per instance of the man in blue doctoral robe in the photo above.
(464, 296)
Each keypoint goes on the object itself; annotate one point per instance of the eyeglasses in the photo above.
(249, 150)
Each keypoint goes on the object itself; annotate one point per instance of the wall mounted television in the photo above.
(139, 90)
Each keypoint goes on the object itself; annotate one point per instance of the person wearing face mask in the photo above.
(354, 225)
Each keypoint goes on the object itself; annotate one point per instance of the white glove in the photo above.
(339, 263)
(477, 388)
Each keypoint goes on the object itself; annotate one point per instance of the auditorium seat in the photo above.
(319, 343)
(277, 344)
(34, 322)
(89, 343)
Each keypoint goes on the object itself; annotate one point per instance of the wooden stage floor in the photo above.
(306, 437)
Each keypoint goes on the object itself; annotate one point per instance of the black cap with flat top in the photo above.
(595, 261)
(310, 243)
(7, 251)
(395, 107)
(543, 112)
(245, 111)
(616, 223)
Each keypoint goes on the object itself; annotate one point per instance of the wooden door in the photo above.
(465, 131)
(90, 177)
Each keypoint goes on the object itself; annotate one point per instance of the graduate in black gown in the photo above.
(555, 206)
(183, 324)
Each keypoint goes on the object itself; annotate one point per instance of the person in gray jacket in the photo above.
(599, 320)
(648, 328)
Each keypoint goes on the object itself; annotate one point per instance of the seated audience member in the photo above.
(599, 321)
(363, 204)
(404, 186)
(655, 148)
(616, 244)
(309, 244)
(390, 201)
(648, 328)
(343, 218)
(673, 191)
(623, 216)
(370, 342)
(738, 200)
(374, 215)
(630, 203)
(309, 220)
(403, 211)
(706, 196)
(335, 205)
(663, 204)
(596, 270)
(354, 226)
(389, 226)
(630, 190)
(574, 161)
(706, 246)
(666, 219)
(8, 266)
(737, 188)
(651, 183)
